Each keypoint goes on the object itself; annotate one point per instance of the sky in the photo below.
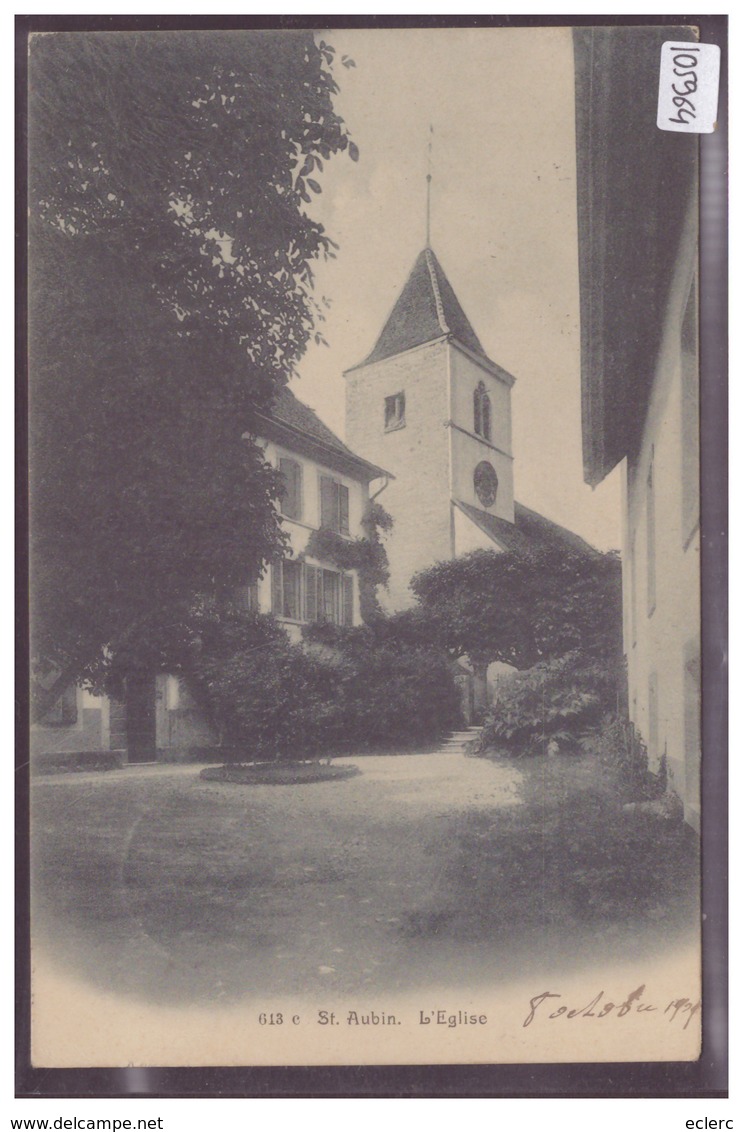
(503, 225)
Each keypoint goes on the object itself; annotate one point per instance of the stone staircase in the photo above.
(455, 744)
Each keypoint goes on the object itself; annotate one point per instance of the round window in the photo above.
(486, 483)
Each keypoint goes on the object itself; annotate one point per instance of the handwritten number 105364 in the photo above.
(684, 67)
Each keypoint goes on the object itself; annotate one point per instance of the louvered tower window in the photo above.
(482, 412)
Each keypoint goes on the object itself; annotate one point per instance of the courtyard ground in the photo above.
(424, 870)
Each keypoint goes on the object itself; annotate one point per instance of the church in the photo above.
(428, 434)
(429, 405)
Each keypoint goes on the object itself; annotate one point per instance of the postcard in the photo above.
(365, 545)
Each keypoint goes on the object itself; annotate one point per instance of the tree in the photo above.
(521, 607)
(170, 295)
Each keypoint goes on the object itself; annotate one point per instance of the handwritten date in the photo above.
(601, 1007)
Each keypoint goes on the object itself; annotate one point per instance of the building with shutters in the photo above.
(326, 486)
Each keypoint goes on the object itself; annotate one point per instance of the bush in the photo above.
(343, 689)
(620, 750)
(557, 701)
(273, 700)
(399, 697)
(394, 692)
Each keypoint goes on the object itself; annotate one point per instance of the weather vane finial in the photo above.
(428, 188)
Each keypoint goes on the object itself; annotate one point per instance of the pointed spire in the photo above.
(426, 309)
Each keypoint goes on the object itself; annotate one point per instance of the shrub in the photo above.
(620, 750)
(393, 693)
(558, 700)
(273, 700)
(342, 689)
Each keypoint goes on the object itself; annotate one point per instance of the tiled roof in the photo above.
(426, 309)
(295, 424)
(529, 529)
(290, 410)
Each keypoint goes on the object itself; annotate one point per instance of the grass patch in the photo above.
(277, 773)
(571, 853)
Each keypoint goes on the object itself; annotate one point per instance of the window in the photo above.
(486, 483)
(394, 412)
(482, 411)
(292, 583)
(286, 589)
(291, 499)
(650, 520)
(333, 505)
(311, 593)
(63, 712)
(246, 597)
(331, 596)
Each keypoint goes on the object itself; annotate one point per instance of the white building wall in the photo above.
(466, 374)
(300, 531)
(662, 629)
(469, 449)
(89, 732)
(467, 452)
(417, 455)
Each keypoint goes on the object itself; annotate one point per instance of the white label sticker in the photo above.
(688, 87)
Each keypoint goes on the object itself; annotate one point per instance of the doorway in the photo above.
(140, 718)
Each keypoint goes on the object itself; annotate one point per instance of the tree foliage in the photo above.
(170, 295)
(521, 607)
(340, 689)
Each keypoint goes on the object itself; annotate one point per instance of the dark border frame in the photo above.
(704, 1078)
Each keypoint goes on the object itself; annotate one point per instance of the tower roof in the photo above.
(426, 309)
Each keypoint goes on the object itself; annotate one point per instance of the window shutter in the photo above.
(320, 583)
(343, 508)
(478, 412)
(331, 596)
(328, 510)
(347, 599)
(276, 603)
(292, 573)
(310, 593)
(291, 503)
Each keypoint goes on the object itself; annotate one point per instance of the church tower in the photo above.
(431, 407)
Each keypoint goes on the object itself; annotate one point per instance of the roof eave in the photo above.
(635, 184)
(410, 350)
(348, 462)
(480, 526)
